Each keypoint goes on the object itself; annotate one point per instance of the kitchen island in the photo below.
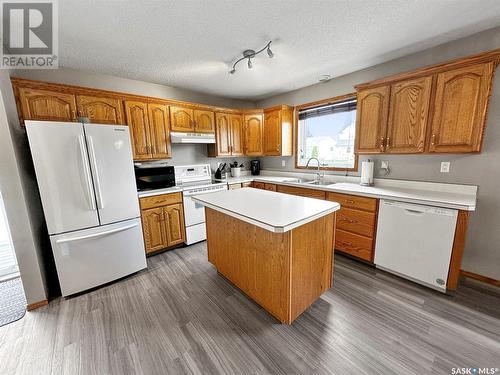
(277, 248)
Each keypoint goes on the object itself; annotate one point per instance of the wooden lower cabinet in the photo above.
(270, 187)
(162, 221)
(303, 192)
(258, 185)
(356, 225)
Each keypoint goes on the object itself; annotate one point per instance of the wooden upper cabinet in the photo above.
(159, 127)
(138, 122)
(223, 134)
(254, 131)
(237, 130)
(181, 119)
(174, 224)
(408, 116)
(278, 131)
(47, 105)
(204, 121)
(100, 110)
(371, 120)
(460, 109)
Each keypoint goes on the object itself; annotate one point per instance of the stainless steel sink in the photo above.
(320, 183)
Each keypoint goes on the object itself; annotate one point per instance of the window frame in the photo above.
(333, 100)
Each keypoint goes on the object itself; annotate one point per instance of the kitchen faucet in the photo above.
(318, 174)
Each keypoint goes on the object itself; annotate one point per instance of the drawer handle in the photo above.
(350, 201)
(346, 220)
(346, 243)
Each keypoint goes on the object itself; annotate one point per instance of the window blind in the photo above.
(345, 106)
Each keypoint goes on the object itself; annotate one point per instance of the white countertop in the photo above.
(460, 197)
(276, 212)
(150, 193)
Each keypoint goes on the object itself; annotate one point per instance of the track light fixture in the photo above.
(250, 54)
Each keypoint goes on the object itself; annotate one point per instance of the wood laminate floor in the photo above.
(179, 316)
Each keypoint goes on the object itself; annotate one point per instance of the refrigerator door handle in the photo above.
(86, 172)
(93, 159)
(100, 234)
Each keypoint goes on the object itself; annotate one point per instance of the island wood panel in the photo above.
(311, 263)
(100, 110)
(460, 109)
(408, 116)
(371, 120)
(458, 250)
(254, 259)
(47, 105)
(283, 272)
(303, 192)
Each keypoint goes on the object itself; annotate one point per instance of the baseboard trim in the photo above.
(36, 305)
(484, 279)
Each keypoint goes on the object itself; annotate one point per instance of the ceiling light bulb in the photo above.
(270, 53)
(250, 64)
(232, 71)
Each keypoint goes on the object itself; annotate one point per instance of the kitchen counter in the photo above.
(272, 211)
(277, 248)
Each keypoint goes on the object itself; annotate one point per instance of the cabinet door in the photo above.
(371, 120)
(408, 116)
(181, 119)
(272, 133)
(137, 120)
(237, 147)
(47, 105)
(174, 223)
(254, 144)
(223, 134)
(204, 121)
(153, 227)
(100, 110)
(160, 130)
(460, 109)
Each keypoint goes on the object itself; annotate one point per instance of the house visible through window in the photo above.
(327, 132)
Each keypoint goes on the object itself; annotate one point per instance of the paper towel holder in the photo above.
(369, 171)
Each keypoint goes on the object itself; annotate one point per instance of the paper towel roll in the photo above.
(367, 173)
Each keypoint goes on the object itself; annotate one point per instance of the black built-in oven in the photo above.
(148, 178)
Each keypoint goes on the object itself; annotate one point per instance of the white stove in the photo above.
(196, 180)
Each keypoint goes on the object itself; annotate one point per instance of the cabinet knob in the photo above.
(433, 139)
(388, 143)
(382, 144)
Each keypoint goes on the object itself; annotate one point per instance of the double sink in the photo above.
(314, 182)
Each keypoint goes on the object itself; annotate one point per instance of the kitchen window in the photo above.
(327, 132)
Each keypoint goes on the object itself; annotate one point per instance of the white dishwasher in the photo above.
(415, 242)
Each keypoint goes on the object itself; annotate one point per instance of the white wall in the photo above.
(14, 190)
(482, 251)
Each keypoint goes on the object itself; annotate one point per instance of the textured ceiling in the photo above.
(192, 43)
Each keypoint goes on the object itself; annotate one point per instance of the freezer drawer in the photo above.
(415, 241)
(92, 257)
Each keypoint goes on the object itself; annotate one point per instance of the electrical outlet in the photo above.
(283, 163)
(445, 167)
(384, 164)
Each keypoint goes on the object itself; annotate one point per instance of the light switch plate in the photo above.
(445, 167)
(283, 163)
(385, 164)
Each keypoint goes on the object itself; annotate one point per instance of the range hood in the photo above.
(178, 137)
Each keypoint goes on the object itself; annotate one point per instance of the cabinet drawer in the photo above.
(270, 187)
(258, 185)
(234, 186)
(354, 244)
(318, 194)
(354, 201)
(356, 221)
(246, 184)
(160, 200)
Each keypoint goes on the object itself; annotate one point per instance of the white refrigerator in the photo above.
(87, 186)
